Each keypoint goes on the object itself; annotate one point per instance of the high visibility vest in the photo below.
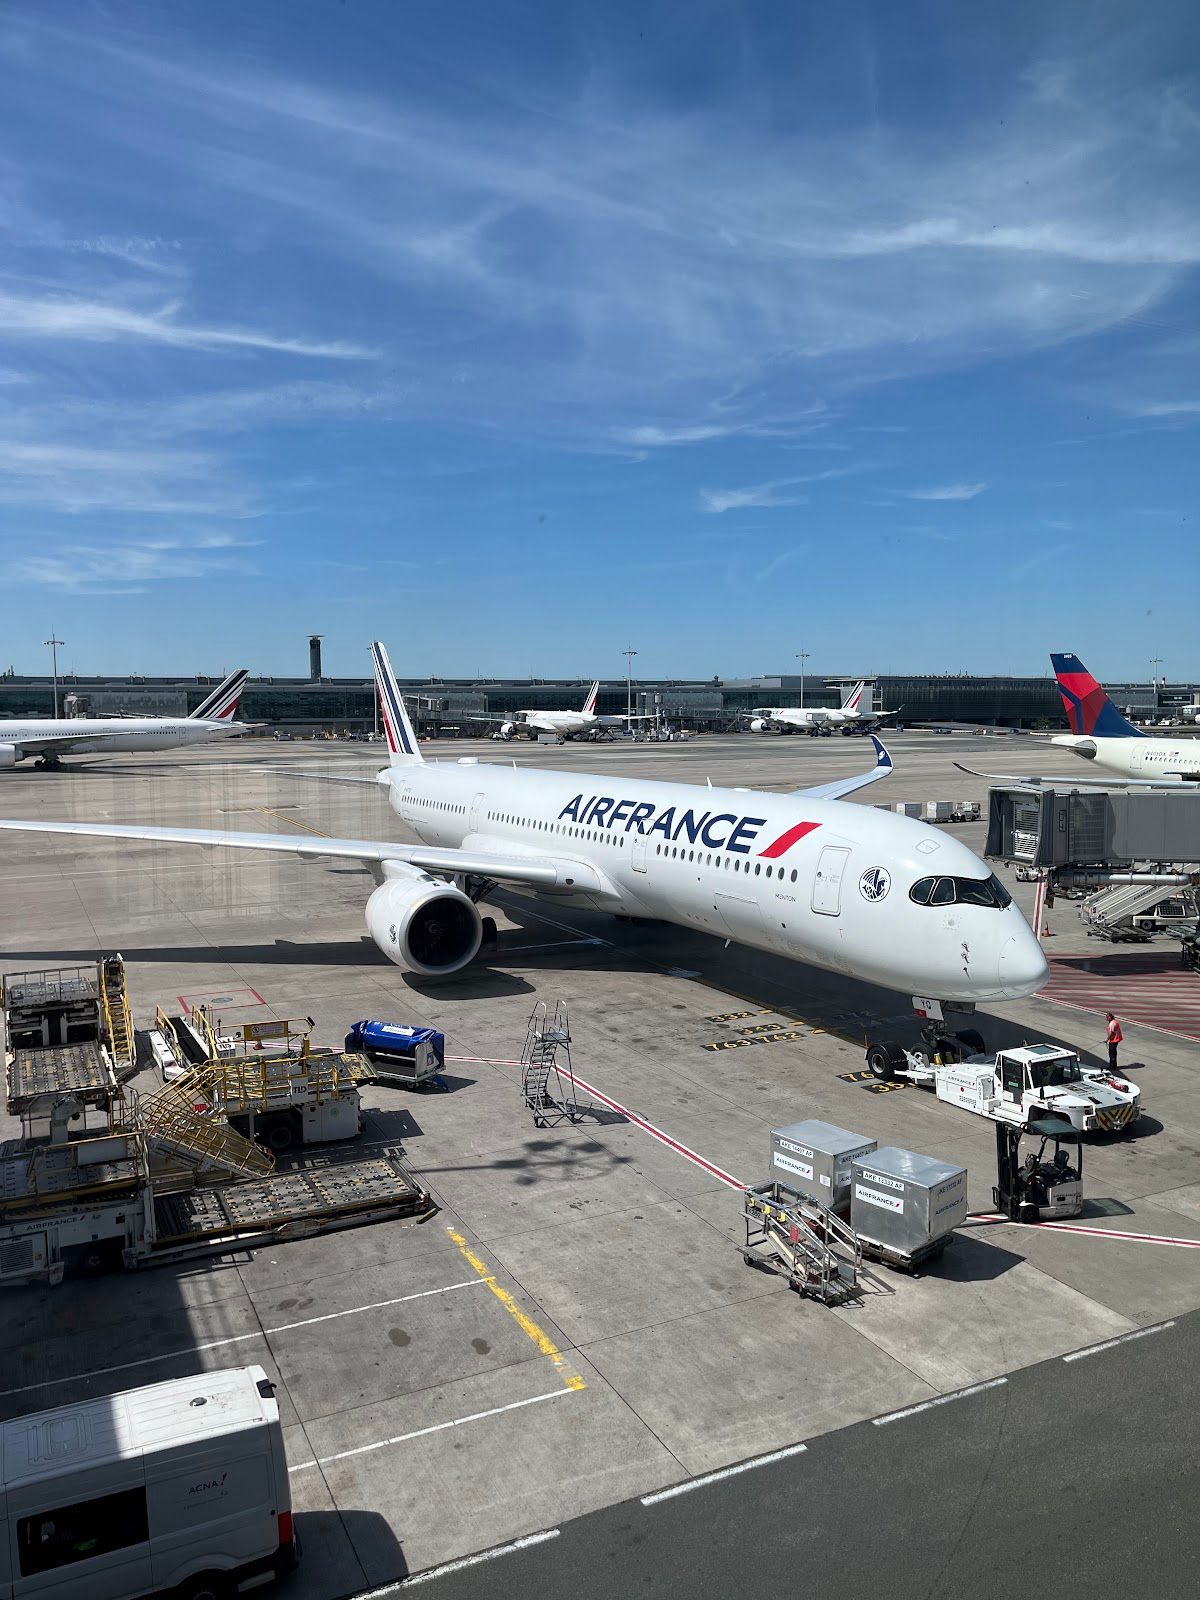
(1115, 1035)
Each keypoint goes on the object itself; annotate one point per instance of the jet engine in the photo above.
(424, 924)
(760, 725)
(508, 730)
(8, 755)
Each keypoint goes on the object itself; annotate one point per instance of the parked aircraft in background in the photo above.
(1104, 736)
(849, 717)
(849, 888)
(585, 724)
(52, 738)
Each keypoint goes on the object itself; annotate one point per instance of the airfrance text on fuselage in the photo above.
(715, 830)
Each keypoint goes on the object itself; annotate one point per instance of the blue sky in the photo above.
(515, 333)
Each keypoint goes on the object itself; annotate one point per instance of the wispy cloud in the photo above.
(754, 497)
(946, 491)
(129, 568)
(74, 479)
(66, 317)
(1164, 408)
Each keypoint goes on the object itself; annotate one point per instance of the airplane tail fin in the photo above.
(589, 705)
(852, 700)
(1089, 709)
(403, 749)
(221, 704)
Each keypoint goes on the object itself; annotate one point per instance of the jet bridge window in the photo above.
(988, 892)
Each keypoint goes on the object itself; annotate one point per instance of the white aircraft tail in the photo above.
(403, 750)
(221, 704)
(589, 705)
(851, 702)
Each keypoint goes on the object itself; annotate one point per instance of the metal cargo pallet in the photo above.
(78, 1070)
(333, 1192)
(32, 1179)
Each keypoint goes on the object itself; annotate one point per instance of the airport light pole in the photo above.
(54, 644)
(802, 656)
(629, 654)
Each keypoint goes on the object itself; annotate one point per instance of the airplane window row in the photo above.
(961, 892)
(708, 860)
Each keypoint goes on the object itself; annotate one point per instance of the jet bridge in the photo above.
(1110, 831)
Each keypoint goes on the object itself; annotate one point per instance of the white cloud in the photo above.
(67, 317)
(946, 491)
(77, 478)
(128, 568)
(755, 496)
(1164, 408)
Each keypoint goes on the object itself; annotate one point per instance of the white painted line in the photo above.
(437, 1427)
(941, 1400)
(527, 1543)
(1124, 1338)
(237, 1338)
(725, 1472)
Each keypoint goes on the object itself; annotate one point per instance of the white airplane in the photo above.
(570, 724)
(849, 717)
(1102, 735)
(848, 888)
(51, 739)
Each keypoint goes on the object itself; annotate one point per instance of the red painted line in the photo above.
(785, 841)
(977, 1217)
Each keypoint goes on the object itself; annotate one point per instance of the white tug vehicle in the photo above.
(1017, 1086)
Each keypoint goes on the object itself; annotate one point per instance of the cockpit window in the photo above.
(988, 892)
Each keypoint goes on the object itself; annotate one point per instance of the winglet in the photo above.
(221, 704)
(589, 705)
(883, 756)
(403, 749)
(843, 786)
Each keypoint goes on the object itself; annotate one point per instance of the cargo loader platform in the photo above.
(312, 1197)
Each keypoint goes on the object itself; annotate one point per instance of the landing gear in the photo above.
(49, 763)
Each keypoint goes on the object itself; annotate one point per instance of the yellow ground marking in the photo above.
(294, 822)
(526, 1324)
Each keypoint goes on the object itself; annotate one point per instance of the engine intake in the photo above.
(8, 755)
(426, 925)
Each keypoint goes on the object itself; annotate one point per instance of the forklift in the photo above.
(1045, 1185)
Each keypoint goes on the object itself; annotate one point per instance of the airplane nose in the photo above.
(1023, 966)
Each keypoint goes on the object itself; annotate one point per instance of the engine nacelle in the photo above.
(759, 725)
(8, 755)
(424, 924)
(508, 730)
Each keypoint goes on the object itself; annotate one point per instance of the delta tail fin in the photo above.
(1089, 709)
(589, 705)
(221, 704)
(403, 749)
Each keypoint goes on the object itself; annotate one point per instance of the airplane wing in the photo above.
(317, 777)
(1071, 781)
(538, 871)
(838, 787)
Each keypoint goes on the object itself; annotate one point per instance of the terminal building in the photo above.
(451, 706)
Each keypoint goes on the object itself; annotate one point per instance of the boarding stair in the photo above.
(118, 1022)
(180, 1128)
(1109, 913)
(792, 1233)
(547, 1077)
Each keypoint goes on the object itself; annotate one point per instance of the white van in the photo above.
(179, 1486)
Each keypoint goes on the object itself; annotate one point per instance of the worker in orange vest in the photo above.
(1115, 1037)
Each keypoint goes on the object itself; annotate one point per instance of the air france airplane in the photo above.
(51, 739)
(1105, 737)
(844, 887)
(849, 716)
(570, 724)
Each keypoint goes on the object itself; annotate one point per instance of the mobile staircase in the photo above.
(178, 1126)
(547, 1077)
(1110, 912)
(798, 1236)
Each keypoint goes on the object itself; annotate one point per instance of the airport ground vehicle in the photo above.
(1014, 1086)
(179, 1486)
(1040, 1188)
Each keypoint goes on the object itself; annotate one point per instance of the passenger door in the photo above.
(637, 852)
(476, 811)
(827, 884)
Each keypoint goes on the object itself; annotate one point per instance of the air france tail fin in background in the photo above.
(1088, 708)
(589, 705)
(402, 741)
(221, 704)
(850, 703)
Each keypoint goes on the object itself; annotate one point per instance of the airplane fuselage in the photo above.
(825, 882)
(92, 735)
(1136, 758)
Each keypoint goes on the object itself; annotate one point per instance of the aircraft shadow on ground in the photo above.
(546, 1157)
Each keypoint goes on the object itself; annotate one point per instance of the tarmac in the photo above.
(575, 1328)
